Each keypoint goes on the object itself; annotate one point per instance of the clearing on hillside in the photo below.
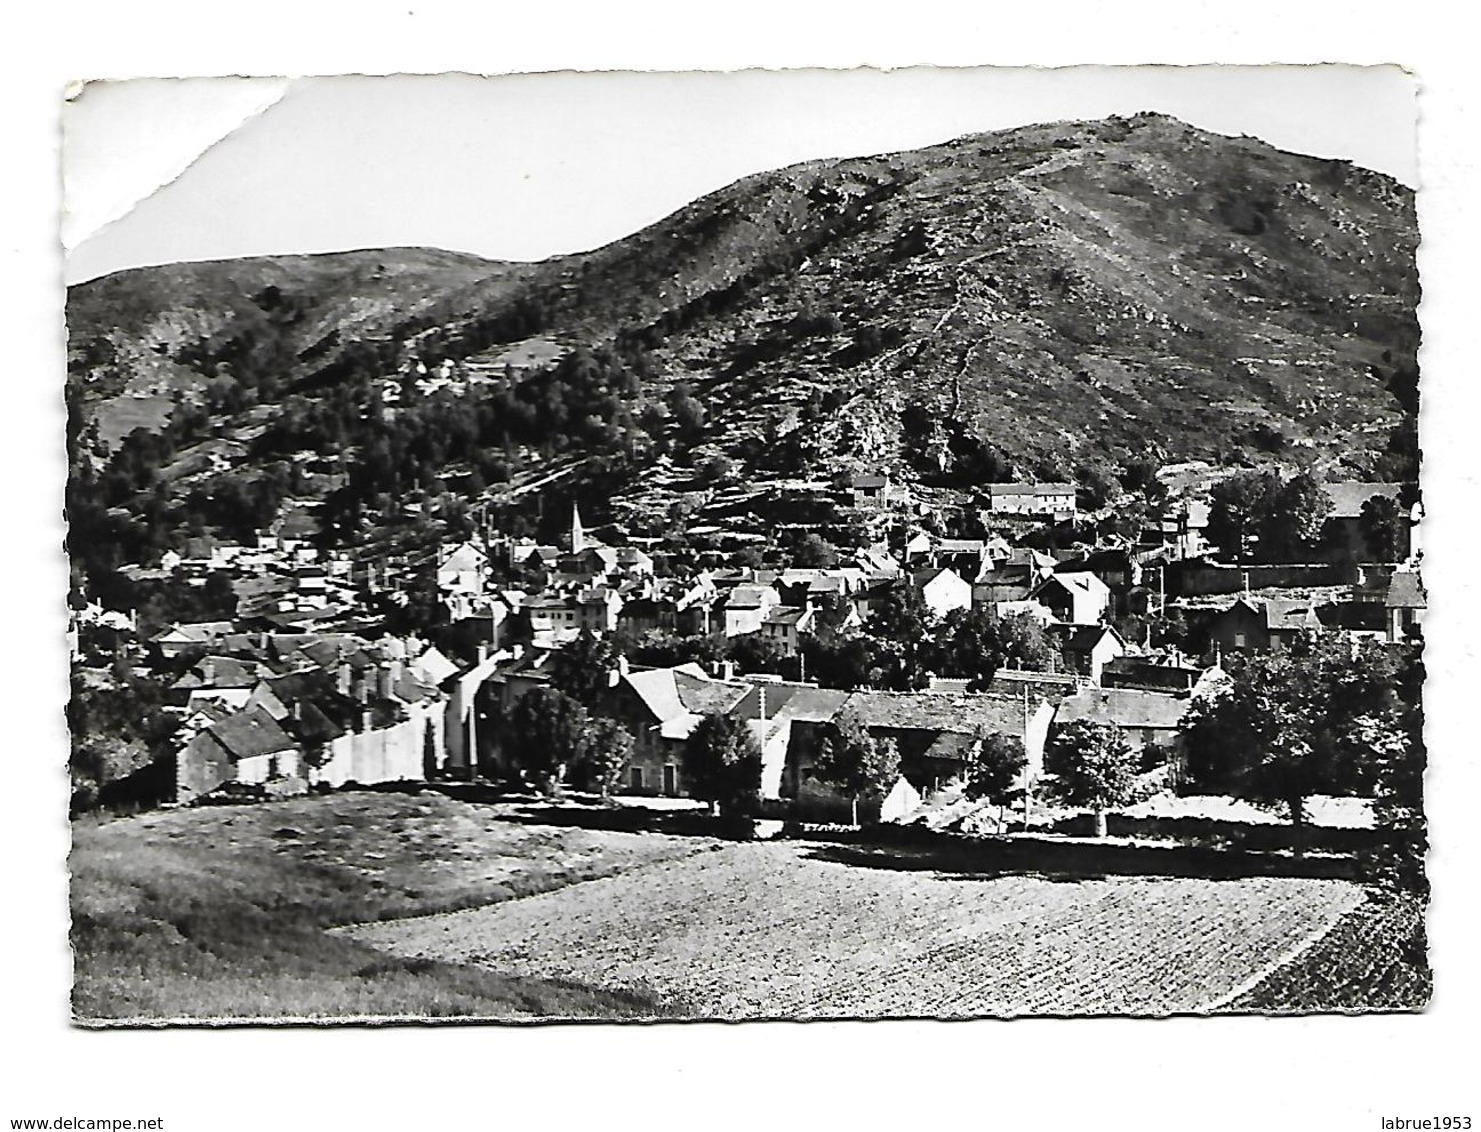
(776, 930)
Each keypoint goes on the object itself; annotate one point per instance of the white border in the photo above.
(1232, 1073)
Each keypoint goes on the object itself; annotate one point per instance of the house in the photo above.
(245, 746)
(785, 625)
(1183, 528)
(179, 638)
(1012, 578)
(1146, 718)
(746, 607)
(661, 707)
(1262, 624)
(1404, 605)
(462, 568)
(942, 589)
(1344, 533)
(1169, 673)
(1052, 499)
(597, 609)
(1087, 649)
(935, 734)
(868, 487)
(1077, 597)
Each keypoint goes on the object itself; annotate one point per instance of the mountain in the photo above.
(1052, 301)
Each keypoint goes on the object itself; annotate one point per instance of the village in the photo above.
(304, 690)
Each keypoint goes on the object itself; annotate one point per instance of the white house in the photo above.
(943, 590)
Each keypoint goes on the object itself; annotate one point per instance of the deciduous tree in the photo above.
(722, 765)
(546, 735)
(1094, 767)
(856, 762)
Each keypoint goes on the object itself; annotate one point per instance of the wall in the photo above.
(387, 754)
(1194, 577)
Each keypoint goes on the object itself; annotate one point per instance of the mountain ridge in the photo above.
(1049, 301)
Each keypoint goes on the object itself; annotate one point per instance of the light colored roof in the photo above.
(433, 666)
(1405, 591)
(1125, 707)
(750, 597)
(1348, 498)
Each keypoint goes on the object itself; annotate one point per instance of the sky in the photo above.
(527, 166)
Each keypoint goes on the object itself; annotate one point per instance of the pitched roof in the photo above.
(1348, 498)
(433, 666)
(749, 597)
(785, 615)
(938, 711)
(791, 701)
(1125, 707)
(249, 733)
(1288, 613)
(703, 696)
(1081, 638)
(1405, 591)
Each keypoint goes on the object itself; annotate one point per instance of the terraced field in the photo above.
(779, 930)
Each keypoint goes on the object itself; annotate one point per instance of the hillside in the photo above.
(1037, 302)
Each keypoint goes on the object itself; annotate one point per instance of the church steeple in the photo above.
(578, 534)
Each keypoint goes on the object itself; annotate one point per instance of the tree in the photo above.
(606, 751)
(429, 753)
(583, 668)
(1288, 726)
(1094, 767)
(546, 735)
(813, 551)
(722, 764)
(969, 645)
(856, 762)
(1297, 515)
(1382, 522)
(996, 769)
(1398, 806)
(902, 629)
(1239, 506)
(1026, 644)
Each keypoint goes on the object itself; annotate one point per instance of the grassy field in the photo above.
(790, 930)
(221, 913)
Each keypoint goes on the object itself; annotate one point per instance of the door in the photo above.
(670, 780)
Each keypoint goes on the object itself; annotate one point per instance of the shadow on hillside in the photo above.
(1080, 860)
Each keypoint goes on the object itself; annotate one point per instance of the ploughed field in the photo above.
(784, 929)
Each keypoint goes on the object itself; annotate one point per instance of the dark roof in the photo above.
(249, 733)
(791, 701)
(1080, 638)
(938, 711)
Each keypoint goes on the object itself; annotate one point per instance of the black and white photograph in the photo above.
(643, 565)
(975, 575)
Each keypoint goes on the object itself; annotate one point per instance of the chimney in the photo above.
(483, 651)
(365, 719)
(342, 682)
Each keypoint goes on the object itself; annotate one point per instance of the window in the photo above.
(1239, 640)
